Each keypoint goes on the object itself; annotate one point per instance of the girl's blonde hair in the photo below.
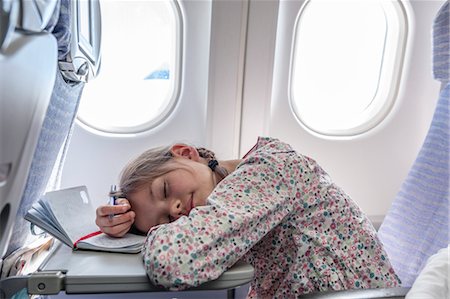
(153, 163)
(144, 169)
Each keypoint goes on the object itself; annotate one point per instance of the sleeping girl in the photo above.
(275, 209)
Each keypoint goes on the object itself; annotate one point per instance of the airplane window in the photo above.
(138, 83)
(346, 63)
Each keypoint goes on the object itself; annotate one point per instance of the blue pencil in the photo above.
(112, 199)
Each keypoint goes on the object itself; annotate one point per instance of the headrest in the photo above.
(441, 44)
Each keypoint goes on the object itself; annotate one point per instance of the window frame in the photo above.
(153, 123)
(388, 84)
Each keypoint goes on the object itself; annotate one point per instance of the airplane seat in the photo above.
(41, 80)
(417, 224)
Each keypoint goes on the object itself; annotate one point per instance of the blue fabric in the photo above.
(441, 44)
(417, 225)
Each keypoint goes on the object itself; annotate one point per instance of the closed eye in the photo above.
(165, 189)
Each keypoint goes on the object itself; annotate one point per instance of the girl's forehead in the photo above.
(180, 164)
(171, 166)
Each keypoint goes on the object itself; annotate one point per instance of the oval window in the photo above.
(346, 63)
(139, 80)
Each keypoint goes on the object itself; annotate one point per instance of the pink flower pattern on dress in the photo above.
(280, 212)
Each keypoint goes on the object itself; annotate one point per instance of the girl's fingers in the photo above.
(107, 210)
(116, 219)
(117, 230)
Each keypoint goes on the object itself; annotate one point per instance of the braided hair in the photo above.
(212, 162)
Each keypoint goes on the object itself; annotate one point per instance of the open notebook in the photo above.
(69, 216)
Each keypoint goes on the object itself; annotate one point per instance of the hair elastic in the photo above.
(213, 164)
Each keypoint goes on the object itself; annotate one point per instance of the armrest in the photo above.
(392, 293)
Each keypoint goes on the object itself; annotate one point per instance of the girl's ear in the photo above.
(185, 151)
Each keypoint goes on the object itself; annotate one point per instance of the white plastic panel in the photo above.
(27, 76)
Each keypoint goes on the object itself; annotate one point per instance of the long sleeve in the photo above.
(244, 208)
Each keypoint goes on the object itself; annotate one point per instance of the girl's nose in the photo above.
(176, 208)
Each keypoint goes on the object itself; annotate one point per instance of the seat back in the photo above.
(417, 225)
(27, 74)
(41, 84)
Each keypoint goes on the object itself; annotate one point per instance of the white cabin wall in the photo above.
(228, 42)
(372, 166)
(259, 72)
(251, 30)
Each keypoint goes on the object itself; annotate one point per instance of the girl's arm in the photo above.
(245, 206)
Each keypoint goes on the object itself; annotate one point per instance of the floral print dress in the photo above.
(280, 212)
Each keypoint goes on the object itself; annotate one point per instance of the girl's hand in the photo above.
(120, 223)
